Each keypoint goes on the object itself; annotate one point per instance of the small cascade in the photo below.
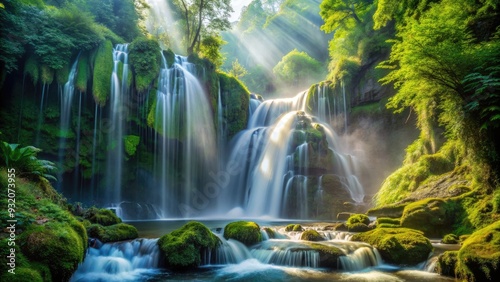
(66, 99)
(253, 105)
(221, 129)
(361, 258)
(117, 115)
(229, 252)
(286, 253)
(268, 111)
(324, 108)
(121, 261)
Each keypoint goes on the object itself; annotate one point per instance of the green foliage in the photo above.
(46, 74)
(479, 257)
(131, 142)
(400, 246)
(297, 66)
(23, 274)
(112, 233)
(24, 160)
(103, 217)
(246, 232)
(103, 68)
(184, 247)
(237, 70)
(145, 60)
(32, 69)
(311, 235)
(210, 49)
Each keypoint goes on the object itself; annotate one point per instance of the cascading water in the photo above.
(119, 93)
(279, 154)
(186, 139)
(122, 261)
(66, 98)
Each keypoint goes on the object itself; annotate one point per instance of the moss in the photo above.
(235, 100)
(103, 68)
(54, 245)
(83, 73)
(184, 247)
(169, 56)
(435, 217)
(247, 232)
(392, 211)
(47, 74)
(31, 68)
(311, 235)
(328, 255)
(145, 60)
(358, 218)
(270, 233)
(479, 257)
(293, 227)
(103, 217)
(131, 142)
(22, 274)
(112, 233)
(62, 74)
(388, 220)
(400, 246)
(446, 263)
(358, 227)
(450, 239)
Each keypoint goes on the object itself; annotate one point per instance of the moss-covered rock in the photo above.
(103, 68)
(450, 239)
(388, 220)
(22, 274)
(55, 245)
(446, 263)
(103, 217)
(112, 233)
(270, 232)
(247, 232)
(183, 248)
(479, 257)
(235, 100)
(398, 245)
(83, 73)
(328, 255)
(391, 211)
(434, 217)
(145, 59)
(358, 227)
(311, 235)
(358, 218)
(131, 142)
(293, 227)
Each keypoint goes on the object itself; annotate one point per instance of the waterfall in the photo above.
(186, 139)
(252, 106)
(121, 261)
(94, 146)
(229, 252)
(117, 115)
(66, 98)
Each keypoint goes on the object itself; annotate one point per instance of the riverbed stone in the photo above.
(247, 232)
(311, 235)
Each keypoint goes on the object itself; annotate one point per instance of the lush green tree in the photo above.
(343, 13)
(210, 48)
(203, 17)
(296, 67)
(238, 70)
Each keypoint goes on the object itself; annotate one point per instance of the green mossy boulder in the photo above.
(112, 233)
(311, 235)
(328, 255)
(391, 211)
(434, 217)
(293, 227)
(247, 232)
(358, 227)
(103, 68)
(270, 232)
(56, 245)
(22, 274)
(447, 262)
(400, 246)
(358, 218)
(388, 220)
(479, 257)
(235, 100)
(183, 248)
(450, 239)
(103, 217)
